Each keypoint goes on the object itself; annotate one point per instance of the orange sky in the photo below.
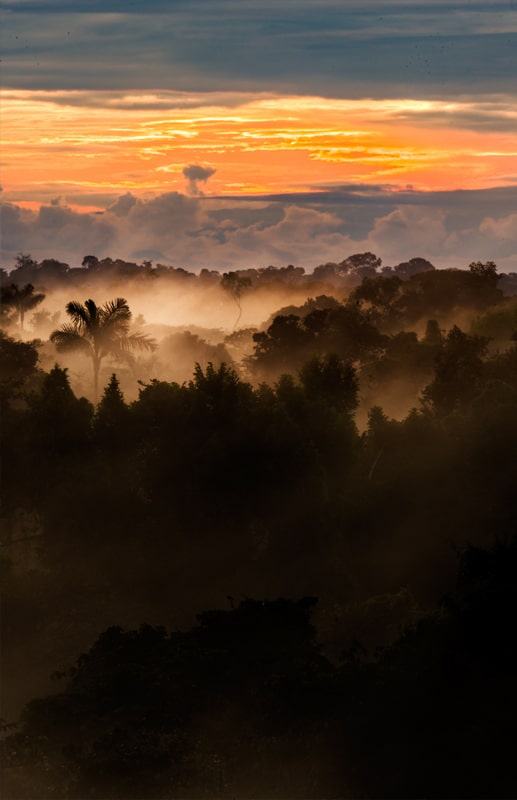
(68, 145)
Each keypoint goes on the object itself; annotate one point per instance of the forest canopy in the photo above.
(275, 560)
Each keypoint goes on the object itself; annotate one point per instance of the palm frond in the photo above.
(122, 356)
(93, 312)
(33, 301)
(137, 341)
(67, 338)
(115, 327)
(116, 318)
(78, 313)
(119, 306)
(23, 292)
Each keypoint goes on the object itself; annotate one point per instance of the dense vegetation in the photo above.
(364, 567)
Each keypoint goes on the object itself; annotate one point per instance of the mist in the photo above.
(193, 318)
(286, 521)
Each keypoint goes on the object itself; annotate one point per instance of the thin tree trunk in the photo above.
(96, 368)
(239, 316)
(376, 461)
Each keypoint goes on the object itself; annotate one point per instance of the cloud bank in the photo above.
(449, 228)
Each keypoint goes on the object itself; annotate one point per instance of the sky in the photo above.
(229, 134)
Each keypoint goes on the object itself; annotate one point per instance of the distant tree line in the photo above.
(347, 274)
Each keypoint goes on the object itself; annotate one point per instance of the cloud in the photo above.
(160, 100)
(333, 49)
(123, 205)
(51, 231)
(418, 231)
(449, 228)
(502, 232)
(196, 174)
(470, 111)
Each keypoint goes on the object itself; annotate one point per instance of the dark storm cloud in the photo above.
(328, 48)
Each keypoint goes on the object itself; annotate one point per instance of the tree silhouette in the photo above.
(459, 371)
(362, 263)
(59, 427)
(332, 380)
(235, 285)
(21, 300)
(18, 366)
(99, 331)
(111, 418)
(90, 262)
(485, 271)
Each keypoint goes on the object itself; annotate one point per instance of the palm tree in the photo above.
(99, 331)
(21, 300)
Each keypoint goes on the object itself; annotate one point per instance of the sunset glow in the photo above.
(90, 147)
(258, 392)
(237, 134)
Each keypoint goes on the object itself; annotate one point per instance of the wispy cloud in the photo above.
(333, 49)
(310, 121)
(261, 143)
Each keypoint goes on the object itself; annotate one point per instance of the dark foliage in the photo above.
(202, 494)
(245, 705)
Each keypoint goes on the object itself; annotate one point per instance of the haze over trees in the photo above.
(99, 332)
(278, 561)
(17, 301)
(235, 285)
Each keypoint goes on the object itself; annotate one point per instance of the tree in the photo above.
(25, 269)
(459, 372)
(412, 267)
(99, 331)
(433, 334)
(50, 270)
(111, 417)
(331, 380)
(380, 292)
(18, 366)
(361, 264)
(216, 394)
(207, 712)
(235, 285)
(59, 421)
(484, 271)
(90, 262)
(285, 345)
(24, 261)
(21, 300)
